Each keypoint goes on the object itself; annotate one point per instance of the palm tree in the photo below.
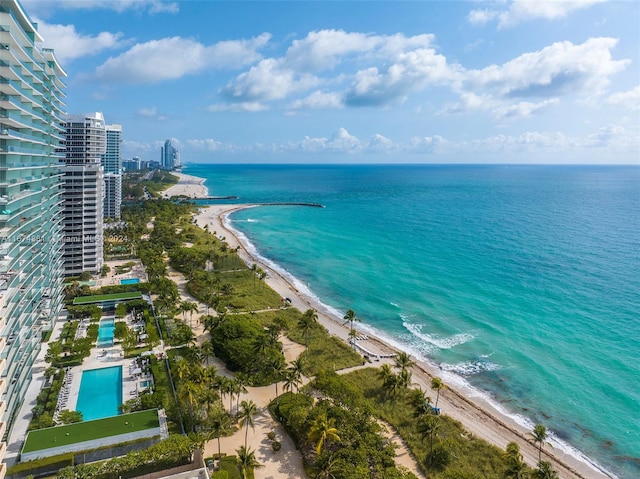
(248, 409)
(219, 424)
(545, 471)
(427, 426)
(191, 308)
(294, 375)
(419, 401)
(437, 384)
(290, 380)
(277, 369)
(516, 467)
(404, 378)
(391, 385)
(325, 467)
(207, 352)
(350, 317)
(403, 361)
(539, 434)
(241, 382)
(247, 461)
(322, 430)
(384, 372)
(306, 323)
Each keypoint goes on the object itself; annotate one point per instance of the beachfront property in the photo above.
(84, 147)
(112, 167)
(169, 157)
(31, 107)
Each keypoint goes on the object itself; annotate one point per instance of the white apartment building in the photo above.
(83, 193)
(31, 108)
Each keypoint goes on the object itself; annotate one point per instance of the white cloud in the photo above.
(480, 17)
(409, 72)
(429, 144)
(340, 142)
(210, 144)
(629, 99)
(521, 109)
(559, 68)
(147, 62)
(151, 113)
(380, 143)
(69, 44)
(318, 99)
(324, 49)
(148, 112)
(394, 66)
(240, 106)
(519, 11)
(270, 79)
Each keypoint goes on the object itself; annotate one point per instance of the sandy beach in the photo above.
(479, 416)
(190, 186)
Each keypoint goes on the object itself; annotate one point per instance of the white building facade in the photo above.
(31, 107)
(85, 145)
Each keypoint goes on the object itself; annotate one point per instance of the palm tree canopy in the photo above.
(403, 361)
(539, 433)
(248, 409)
(323, 429)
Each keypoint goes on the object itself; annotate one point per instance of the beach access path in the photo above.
(477, 415)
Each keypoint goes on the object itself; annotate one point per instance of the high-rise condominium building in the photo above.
(31, 106)
(112, 166)
(85, 145)
(169, 156)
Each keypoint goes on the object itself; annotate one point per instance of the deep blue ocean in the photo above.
(521, 281)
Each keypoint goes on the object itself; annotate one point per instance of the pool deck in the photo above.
(137, 272)
(131, 384)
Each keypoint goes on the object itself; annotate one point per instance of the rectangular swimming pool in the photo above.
(100, 393)
(105, 333)
(130, 281)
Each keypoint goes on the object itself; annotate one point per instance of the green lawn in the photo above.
(90, 430)
(107, 297)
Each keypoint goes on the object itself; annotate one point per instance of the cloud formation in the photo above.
(147, 62)
(628, 99)
(69, 44)
(519, 11)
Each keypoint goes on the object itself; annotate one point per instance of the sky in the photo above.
(507, 81)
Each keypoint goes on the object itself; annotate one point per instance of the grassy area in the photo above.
(468, 455)
(107, 297)
(90, 430)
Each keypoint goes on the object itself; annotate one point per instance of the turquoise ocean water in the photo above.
(520, 281)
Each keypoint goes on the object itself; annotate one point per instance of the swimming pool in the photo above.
(100, 393)
(105, 333)
(130, 281)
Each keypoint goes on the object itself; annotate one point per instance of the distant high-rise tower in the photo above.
(169, 156)
(86, 143)
(31, 106)
(112, 166)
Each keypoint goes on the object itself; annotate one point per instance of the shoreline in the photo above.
(187, 185)
(479, 415)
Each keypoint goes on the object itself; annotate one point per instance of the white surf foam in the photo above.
(439, 342)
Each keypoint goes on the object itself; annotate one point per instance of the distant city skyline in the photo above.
(336, 82)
